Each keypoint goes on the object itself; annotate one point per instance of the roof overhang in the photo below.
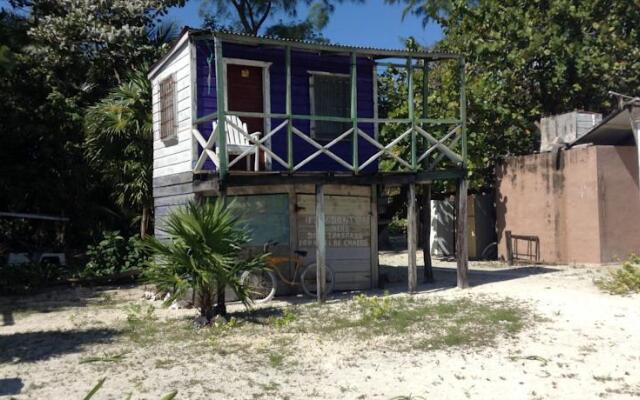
(617, 129)
(300, 45)
(157, 66)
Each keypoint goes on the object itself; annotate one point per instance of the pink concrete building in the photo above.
(580, 204)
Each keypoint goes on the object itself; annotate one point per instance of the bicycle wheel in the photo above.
(309, 281)
(261, 285)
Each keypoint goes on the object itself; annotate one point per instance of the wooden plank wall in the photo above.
(349, 229)
(169, 193)
(175, 155)
(348, 233)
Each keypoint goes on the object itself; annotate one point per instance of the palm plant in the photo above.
(118, 143)
(203, 253)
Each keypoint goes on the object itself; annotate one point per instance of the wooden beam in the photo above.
(262, 178)
(509, 243)
(425, 222)
(221, 108)
(354, 111)
(461, 235)
(374, 237)
(412, 238)
(290, 161)
(321, 245)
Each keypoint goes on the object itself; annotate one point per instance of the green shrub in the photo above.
(114, 255)
(24, 278)
(624, 280)
(397, 226)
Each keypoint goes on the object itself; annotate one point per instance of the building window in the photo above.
(168, 128)
(330, 97)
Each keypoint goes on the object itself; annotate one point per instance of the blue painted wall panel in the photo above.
(301, 64)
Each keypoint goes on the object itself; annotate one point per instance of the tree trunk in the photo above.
(144, 221)
(221, 304)
(206, 303)
(425, 222)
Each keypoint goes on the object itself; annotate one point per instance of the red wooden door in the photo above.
(244, 92)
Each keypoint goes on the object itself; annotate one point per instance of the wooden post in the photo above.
(221, 108)
(425, 221)
(321, 245)
(509, 243)
(354, 111)
(410, 104)
(461, 234)
(374, 237)
(288, 108)
(412, 239)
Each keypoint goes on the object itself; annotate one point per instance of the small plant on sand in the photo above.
(374, 307)
(624, 280)
(204, 252)
(141, 323)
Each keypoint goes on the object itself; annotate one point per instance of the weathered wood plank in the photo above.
(173, 190)
(173, 200)
(321, 248)
(461, 235)
(412, 239)
(374, 236)
(171, 180)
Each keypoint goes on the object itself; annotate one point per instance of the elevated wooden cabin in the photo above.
(290, 129)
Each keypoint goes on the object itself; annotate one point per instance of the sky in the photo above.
(372, 24)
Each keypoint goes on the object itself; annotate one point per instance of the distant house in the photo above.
(278, 124)
(578, 204)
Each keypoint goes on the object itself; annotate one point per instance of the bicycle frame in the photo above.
(273, 262)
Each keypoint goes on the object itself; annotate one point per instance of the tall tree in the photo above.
(118, 144)
(530, 58)
(252, 16)
(59, 57)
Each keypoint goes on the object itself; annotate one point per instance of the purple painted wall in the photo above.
(301, 63)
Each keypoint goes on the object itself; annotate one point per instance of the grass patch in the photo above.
(104, 358)
(429, 324)
(142, 325)
(624, 280)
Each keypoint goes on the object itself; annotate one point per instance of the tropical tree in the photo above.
(118, 141)
(203, 253)
(251, 16)
(530, 58)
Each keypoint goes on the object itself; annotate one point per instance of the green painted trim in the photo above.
(354, 110)
(220, 86)
(428, 121)
(463, 112)
(206, 118)
(425, 105)
(288, 109)
(412, 116)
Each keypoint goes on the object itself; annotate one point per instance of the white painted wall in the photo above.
(175, 155)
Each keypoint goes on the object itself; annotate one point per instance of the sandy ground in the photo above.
(587, 347)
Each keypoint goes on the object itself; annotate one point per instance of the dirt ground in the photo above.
(584, 344)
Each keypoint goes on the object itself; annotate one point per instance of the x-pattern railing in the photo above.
(437, 147)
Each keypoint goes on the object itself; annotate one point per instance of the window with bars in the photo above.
(168, 128)
(330, 97)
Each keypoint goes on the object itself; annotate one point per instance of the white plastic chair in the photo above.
(237, 141)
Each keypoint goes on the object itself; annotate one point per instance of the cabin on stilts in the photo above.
(291, 130)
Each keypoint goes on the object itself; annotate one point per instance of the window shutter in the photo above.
(167, 108)
(332, 97)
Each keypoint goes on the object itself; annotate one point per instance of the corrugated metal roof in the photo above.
(311, 45)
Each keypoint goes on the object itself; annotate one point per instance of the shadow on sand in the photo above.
(10, 386)
(43, 345)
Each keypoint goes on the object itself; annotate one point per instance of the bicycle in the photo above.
(262, 283)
